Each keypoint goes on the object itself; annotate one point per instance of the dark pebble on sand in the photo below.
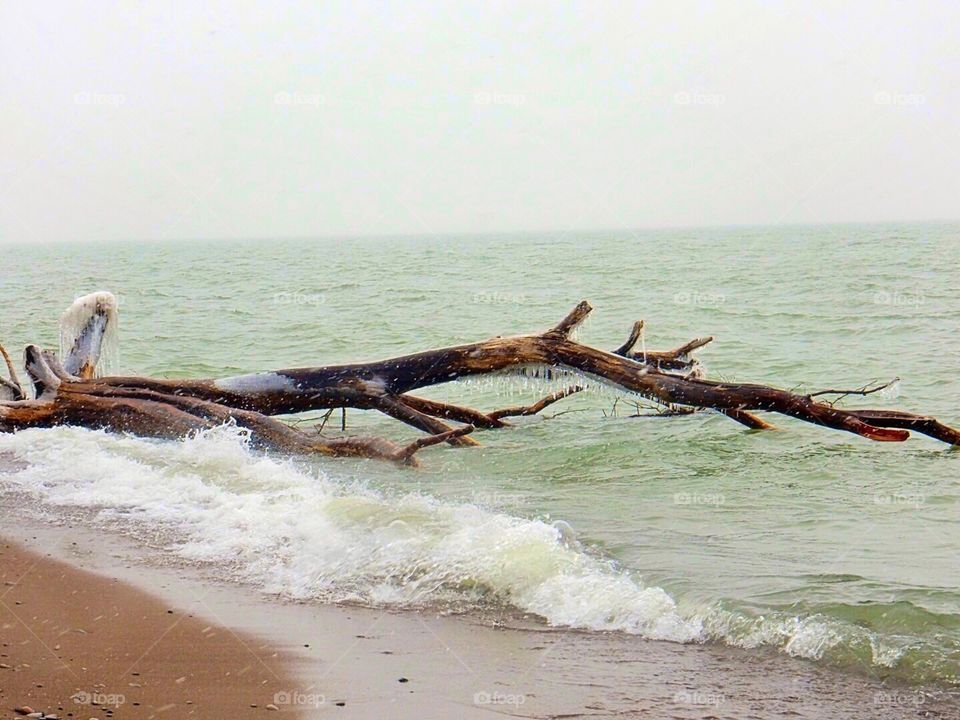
(403, 680)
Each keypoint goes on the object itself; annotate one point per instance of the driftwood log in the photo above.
(66, 391)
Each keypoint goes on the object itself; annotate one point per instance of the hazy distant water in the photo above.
(815, 541)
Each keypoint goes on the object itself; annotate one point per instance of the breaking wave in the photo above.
(291, 528)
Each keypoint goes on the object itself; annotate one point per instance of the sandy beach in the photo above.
(77, 644)
(146, 641)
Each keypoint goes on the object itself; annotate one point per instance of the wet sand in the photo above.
(81, 645)
(311, 660)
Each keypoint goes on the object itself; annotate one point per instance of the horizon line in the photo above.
(477, 233)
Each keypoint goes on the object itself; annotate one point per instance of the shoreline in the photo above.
(356, 662)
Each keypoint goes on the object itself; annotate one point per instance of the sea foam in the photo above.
(293, 528)
(290, 528)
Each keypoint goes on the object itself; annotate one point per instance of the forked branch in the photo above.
(172, 408)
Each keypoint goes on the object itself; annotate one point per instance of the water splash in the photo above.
(892, 391)
(292, 529)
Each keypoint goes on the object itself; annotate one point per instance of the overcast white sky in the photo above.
(243, 119)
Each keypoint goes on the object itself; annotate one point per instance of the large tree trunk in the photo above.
(67, 392)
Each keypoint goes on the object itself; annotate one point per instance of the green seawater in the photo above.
(816, 541)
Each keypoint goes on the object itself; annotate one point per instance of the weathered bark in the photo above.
(675, 360)
(64, 399)
(10, 389)
(365, 385)
(909, 421)
(174, 408)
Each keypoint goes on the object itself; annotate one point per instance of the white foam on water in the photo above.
(289, 528)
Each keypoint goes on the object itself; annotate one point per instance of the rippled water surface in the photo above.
(818, 542)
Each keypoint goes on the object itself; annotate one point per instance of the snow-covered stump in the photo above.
(89, 335)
